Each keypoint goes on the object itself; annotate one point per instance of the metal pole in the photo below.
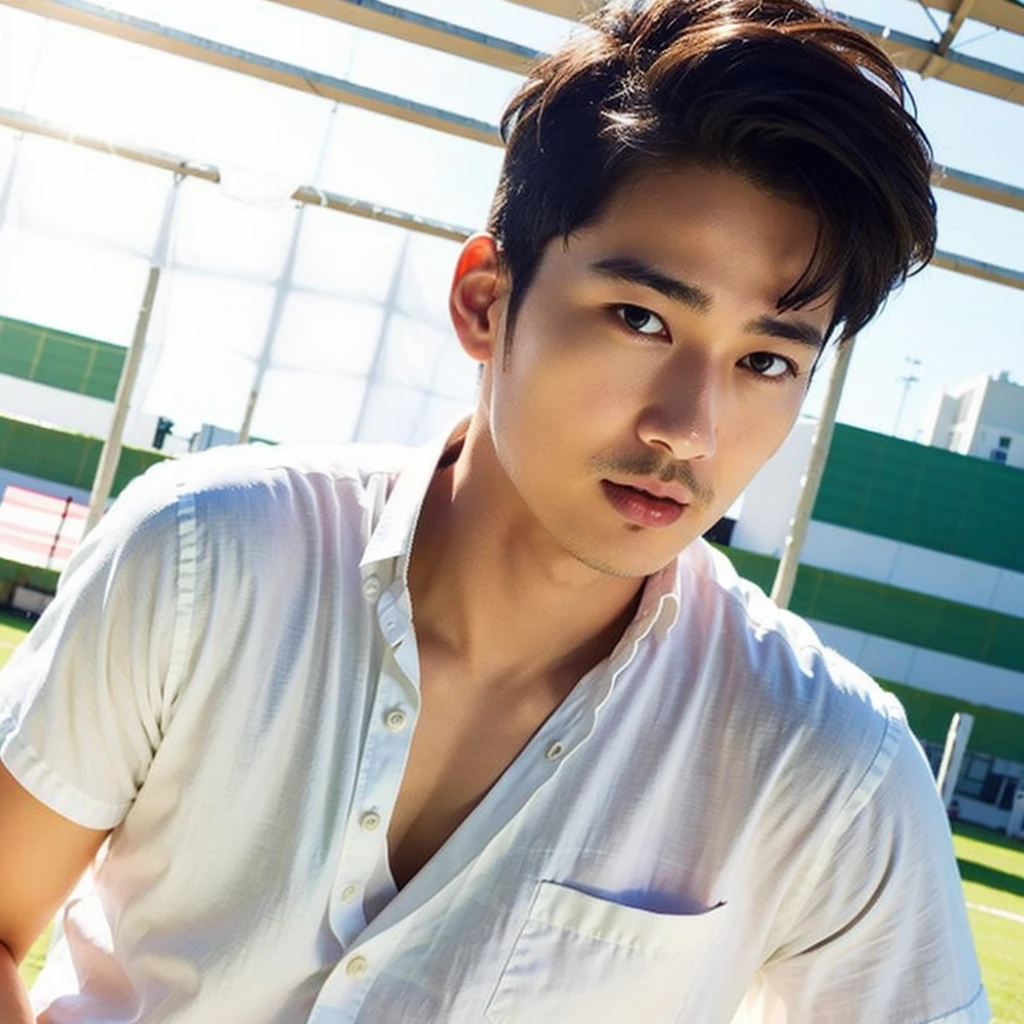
(111, 453)
(908, 380)
(60, 530)
(785, 577)
(953, 755)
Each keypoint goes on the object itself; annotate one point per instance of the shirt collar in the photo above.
(393, 536)
(659, 605)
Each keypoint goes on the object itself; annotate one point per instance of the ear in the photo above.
(477, 298)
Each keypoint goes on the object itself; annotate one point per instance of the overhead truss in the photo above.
(377, 16)
(907, 51)
(184, 44)
(308, 195)
(1004, 14)
(313, 196)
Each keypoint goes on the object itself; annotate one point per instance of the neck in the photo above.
(492, 589)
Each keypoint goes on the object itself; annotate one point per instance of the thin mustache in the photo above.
(649, 464)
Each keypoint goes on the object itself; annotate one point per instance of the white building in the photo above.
(983, 417)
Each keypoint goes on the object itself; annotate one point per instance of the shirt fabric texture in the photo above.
(724, 821)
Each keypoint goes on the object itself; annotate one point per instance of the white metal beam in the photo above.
(399, 23)
(956, 21)
(308, 194)
(977, 187)
(913, 54)
(1004, 14)
(562, 8)
(981, 188)
(979, 269)
(184, 44)
(910, 52)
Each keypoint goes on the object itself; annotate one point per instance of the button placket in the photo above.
(395, 720)
(394, 624)
(384, 755)
(371, 587)
(347, 984)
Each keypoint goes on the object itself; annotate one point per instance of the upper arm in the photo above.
(883, 935)
(82, 707)
(42, 856)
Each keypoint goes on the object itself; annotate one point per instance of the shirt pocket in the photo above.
(580, 958)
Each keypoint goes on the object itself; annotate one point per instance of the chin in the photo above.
(622, 564)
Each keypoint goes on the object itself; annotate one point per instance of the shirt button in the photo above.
(371, 587)
(395, 719)
(370, 821)
(348, 894)
(356, 967)
(555, 751)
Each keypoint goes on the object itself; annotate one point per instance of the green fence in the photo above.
(63, 457)
(924, 496)
(996, 733)
(59, 359)
(15, 574)
(912, 618)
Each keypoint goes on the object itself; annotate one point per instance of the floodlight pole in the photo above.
(785, 577)
(111, 453)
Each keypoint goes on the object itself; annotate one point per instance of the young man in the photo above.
(485, 731)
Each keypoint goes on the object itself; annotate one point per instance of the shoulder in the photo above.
(241, 498)
(269, 484)
(273, 470)
(821, 715)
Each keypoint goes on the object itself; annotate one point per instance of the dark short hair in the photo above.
(794, 100)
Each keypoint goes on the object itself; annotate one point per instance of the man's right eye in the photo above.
(641, 320)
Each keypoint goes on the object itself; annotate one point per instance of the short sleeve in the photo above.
(880, 933)
(82, 700)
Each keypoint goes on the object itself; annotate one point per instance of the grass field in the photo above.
(992, 870)
(991, 866)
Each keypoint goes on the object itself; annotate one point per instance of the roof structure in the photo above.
(187, 96)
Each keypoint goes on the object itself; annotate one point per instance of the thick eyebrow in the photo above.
(791, 330)
(635, 271)
(628, 268)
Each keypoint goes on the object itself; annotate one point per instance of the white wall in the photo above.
(985, 815)
(48, 487)
(71, 411)
(770, 498)
(937, 422)
(987, 439)
(914, 568)
(992, 409)
(928, 670)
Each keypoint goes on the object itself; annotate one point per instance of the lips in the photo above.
(641, 507)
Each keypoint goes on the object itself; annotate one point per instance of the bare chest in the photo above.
(464, 740)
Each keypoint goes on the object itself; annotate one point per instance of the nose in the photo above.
(681, 417)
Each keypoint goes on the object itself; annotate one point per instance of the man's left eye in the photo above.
(767, 364)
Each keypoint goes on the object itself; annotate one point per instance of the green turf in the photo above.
(12, 630)
(33, 963)
(992, 869)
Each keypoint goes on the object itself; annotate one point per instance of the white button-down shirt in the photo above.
(723, 821)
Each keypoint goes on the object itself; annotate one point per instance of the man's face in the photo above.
(649, 373)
